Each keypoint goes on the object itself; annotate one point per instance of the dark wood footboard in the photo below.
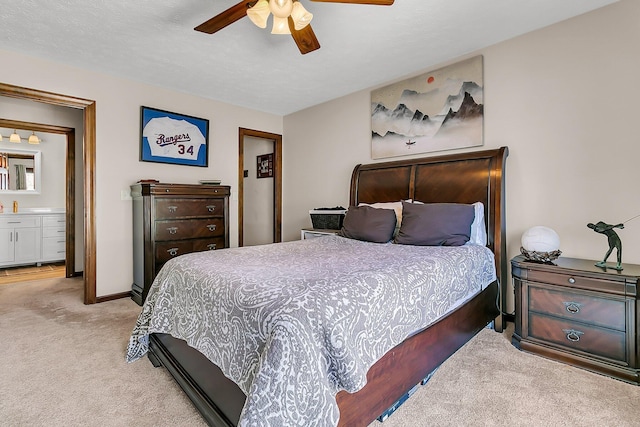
(220, 401)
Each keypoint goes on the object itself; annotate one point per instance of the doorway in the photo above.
(271, 169)
(88, 162)
(70, 177)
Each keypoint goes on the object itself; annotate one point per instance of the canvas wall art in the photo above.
(435, 111)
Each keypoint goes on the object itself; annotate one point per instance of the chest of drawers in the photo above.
(170, 220)
(580, 314)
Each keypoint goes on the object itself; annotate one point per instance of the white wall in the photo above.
(563, 99)
(118, 104)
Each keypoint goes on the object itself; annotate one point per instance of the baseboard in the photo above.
(112, 297)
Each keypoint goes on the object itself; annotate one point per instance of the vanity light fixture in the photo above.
(33, 138)
(14, 137)
(17, 139)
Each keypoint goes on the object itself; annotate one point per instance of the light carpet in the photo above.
(62, 364)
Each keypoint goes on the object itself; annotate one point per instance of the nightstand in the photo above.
(309, 233)
(574, 312)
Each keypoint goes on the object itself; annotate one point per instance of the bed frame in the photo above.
(458, 178)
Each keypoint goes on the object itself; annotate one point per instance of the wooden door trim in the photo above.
(277, 183)
(89, 149)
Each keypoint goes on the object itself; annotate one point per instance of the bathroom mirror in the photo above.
(20, 171)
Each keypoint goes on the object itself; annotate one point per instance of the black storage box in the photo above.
(328, 219)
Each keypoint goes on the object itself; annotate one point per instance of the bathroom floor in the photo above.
(24, 273)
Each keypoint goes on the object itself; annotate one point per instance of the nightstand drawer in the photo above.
(554, 278)
(574, 306)
(590, 339)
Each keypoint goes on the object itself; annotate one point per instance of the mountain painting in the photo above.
(439, 110)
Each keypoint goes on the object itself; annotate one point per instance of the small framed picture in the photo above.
(265, 166)
(174, 138)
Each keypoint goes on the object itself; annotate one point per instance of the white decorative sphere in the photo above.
(540, 239)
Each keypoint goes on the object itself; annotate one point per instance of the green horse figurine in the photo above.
(614, 242)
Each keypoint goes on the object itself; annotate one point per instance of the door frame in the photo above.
(70, 188)
(89, 165)
(277, 183)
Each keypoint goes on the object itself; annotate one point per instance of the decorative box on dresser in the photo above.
(171, 220)
(580, 314)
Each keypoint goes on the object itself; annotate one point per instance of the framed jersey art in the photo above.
(167, 137)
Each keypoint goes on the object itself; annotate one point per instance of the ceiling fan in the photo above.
(289, 17)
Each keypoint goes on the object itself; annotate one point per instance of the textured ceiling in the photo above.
(153, 41)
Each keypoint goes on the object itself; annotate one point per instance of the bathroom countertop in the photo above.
(33, 211)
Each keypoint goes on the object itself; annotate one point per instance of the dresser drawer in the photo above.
(167, 250)
(577, 336)
(582, 307)
(188, 208)
(189, 228)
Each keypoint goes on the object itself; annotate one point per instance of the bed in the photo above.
(394, 359)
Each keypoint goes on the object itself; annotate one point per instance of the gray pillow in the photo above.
(369, 224)
(435, 224)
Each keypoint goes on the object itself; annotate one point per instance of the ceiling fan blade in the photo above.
(374, 2)
(225, 18)
(305, 38)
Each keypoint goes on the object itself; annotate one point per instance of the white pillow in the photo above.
(478, 229)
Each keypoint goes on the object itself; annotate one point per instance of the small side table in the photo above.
(574, 312)
(309, 233)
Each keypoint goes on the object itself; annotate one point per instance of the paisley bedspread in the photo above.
(294, 323)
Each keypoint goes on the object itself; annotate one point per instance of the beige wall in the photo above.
(118, 104)
(563, 99)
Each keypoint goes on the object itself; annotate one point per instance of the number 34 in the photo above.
(181, 149)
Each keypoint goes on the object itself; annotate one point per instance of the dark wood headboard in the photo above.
(476, 176)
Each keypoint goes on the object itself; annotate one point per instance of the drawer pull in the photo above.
(211, 246)
(573, 335)
(211, 208)
(572, 307)
(572, 280)
(172, 209)
(211, 227)
(172, 230)
(173, 251)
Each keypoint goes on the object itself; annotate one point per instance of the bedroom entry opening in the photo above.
(259, 188)
(48, 252)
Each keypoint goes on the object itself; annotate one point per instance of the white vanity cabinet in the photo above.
(53, 237)
(20, 239)
(32, 238)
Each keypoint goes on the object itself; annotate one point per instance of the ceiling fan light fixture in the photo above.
(280, 25)
(14, 137)
(301, 16)
(33, 139)
(281, 8)
(259, 13)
